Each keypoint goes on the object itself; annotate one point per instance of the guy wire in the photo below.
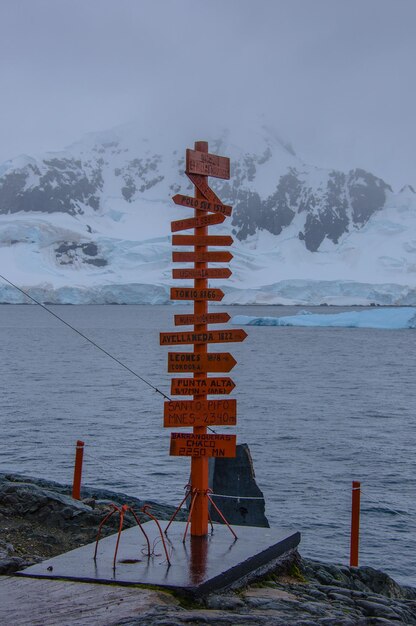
(126, 367)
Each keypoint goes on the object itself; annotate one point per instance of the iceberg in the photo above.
(385, 318)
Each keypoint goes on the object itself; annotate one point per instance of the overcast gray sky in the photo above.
(335, 77)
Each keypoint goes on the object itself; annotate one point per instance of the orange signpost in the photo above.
(205, 386)
(205, 318)
(202, 204)
(201, 413)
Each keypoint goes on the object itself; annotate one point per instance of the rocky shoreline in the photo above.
(39, 519)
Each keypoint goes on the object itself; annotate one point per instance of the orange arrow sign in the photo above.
(209, 272)
(201, 182)
(194, 362)
(200, 413)
(202, 386)
(207, 164)
(189, 293)
(206, 318)
(197, 222)
(206, 336)
(203, 205)
(202, 240)
(190, 444)
(202, 257)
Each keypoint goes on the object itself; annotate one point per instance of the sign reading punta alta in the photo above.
(200, 413)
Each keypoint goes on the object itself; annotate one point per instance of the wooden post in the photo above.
(355, 523)
(76, 485)
(199, 466)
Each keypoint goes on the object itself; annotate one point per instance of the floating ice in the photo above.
(386, 318)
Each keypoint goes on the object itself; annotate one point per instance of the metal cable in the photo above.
(126, 367)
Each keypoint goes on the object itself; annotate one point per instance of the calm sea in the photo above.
(319, 407)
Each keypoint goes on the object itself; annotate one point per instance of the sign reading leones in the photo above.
(190, 444)
(196, 362)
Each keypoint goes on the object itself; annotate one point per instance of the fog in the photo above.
(334, 77)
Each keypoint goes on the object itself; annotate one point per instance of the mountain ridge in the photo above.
(98, 213)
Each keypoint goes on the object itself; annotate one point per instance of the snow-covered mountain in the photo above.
(92, 223)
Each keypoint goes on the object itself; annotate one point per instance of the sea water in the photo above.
(319, 407)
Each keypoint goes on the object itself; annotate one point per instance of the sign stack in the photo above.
(201, 412)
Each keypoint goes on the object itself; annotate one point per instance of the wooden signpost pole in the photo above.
(201, 413)
(199, 466)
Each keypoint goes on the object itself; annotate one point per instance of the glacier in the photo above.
(383, 318)
(91, 224)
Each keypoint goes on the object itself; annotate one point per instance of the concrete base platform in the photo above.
(198, 566)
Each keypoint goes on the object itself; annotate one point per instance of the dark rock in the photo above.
(236, 477)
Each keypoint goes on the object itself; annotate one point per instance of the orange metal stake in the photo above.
(76, 485)
(355, 523)
(199, 466)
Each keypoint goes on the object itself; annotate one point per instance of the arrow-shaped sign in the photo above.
(197, 222)
(190, 293)
(201, 445)
(201, 183)
(205, 336)
(209, 272)
(203, 205)
(202, 257)
(195, 362)
(202, 240)
(205, 318)
(201, 386)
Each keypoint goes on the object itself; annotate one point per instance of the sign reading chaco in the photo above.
(200, 413)
(197, 445)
